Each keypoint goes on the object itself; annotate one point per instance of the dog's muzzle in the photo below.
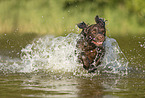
(99, 39)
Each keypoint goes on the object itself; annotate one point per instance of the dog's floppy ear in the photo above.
(82, 25)
(100, 21)
(97, 19)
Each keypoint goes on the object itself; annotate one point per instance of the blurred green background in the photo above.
(21, 21)
(59, 17)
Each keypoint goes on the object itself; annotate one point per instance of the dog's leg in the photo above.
(99, 58)
(94, 65)
(86, 63)
(97, 61)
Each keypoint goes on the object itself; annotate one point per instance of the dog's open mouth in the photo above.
(98, 43)
(98, 40)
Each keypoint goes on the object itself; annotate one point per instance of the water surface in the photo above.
(48, 67)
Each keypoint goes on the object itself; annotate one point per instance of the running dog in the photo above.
(91, 44)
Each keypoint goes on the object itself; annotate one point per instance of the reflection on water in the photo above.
(43, 70)
(44, 85)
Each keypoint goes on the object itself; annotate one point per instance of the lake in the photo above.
(47, 67)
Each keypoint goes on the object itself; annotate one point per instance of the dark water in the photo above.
(48, 68)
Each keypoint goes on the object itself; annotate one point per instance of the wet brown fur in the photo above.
(91, 52)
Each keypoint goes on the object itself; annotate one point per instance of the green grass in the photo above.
(50, 17)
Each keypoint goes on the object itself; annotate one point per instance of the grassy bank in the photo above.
(60, 17)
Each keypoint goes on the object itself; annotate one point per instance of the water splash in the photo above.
(51, 54)
(114, 60)
(57, 54)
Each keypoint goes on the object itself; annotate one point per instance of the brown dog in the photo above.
(91, 44)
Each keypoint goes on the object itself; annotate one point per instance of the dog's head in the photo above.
(94, 33)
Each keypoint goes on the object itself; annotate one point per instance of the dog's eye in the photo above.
(94, 32)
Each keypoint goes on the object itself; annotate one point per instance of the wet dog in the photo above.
(91, 44)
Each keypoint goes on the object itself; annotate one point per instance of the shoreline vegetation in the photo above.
(59, 17)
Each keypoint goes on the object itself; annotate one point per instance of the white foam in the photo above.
(57, 54)
(51, 54)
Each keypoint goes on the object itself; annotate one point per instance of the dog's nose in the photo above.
(100, 37)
